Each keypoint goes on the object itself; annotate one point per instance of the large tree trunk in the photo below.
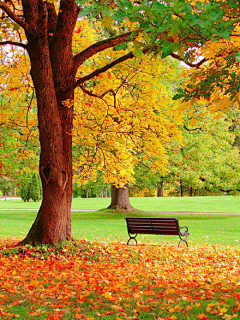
(160, 189)
(181, 188)
(190, 191)
(120, 199)
(52, 72)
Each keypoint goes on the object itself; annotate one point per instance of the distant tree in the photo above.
(207, 157)
(91, 189)
(134, 127)
(120, 199)
(5, 186)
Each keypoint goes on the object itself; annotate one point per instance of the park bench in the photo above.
(165, 226)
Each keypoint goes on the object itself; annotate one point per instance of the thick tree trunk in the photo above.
(160, 189)
(52, 72)
(181, 188)
(120, 199)
(190, 191)
(49, 34)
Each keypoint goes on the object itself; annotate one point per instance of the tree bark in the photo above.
(160, 189)
(190, 191)
(52, 73)
(120, 199)
(181, 188)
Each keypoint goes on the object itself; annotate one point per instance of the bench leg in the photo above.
(182, 240)
(132, 237)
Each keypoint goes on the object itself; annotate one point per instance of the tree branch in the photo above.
(52, 17)
(189, 130)
(91, 94)
(190, 64)
(18, 44)
(43, 23)
(98, 47)
(101, 70)
(195, 31)
(14, 16)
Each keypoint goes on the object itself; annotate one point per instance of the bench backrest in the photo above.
(153, 225)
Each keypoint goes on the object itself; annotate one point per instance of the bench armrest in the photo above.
(184, 233)
(184, 227)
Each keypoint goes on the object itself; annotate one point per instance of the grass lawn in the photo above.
(189, 204)
(101, 277)
(111, 226)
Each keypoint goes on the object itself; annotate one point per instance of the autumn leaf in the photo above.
(202, 316)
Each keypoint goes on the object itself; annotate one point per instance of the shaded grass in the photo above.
(109, 225)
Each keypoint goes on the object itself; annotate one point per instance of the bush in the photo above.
(5, 185)
(36, 187)
(25, 188)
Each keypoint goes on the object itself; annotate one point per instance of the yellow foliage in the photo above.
(133, 118)
(17, 114)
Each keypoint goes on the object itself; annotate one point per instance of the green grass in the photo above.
(109, 225)
(189, 204)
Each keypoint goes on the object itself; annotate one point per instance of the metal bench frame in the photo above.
(163, 226)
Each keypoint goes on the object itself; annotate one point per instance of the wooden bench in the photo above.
(165, 226)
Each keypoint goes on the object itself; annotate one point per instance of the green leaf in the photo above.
(16, 26)
(238, 56)
(146, 38)
(168, 48)
(122, 46)
(137, 51)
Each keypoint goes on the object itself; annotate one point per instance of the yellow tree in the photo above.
(19, 143)
(128, 119)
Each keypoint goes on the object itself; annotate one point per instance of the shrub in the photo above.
(25, 188)
(36, 187)
(31, 187)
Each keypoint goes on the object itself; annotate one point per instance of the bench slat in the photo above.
(154, 225)
(163, 232)
(157, 233)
